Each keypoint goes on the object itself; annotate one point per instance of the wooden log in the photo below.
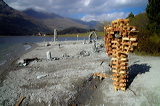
(133, 36)
(134, 44)
(115, 88)
(123, 55)
(123, 88)
(118, 88)
(111, 32)
(115, 78)
(119, 78)
(126, 20)
(115, 71)
(123, 59)
(125, 38)
(115, 21)
(132, 32)
(115, 46)
(116, 83)
(117, 29)
(131, 49)
(123, 64)
(123, 77)
(123, 72)
(126, 43)
(115, 63)
(123, 80)
(133, 39)
(116, 75)
(114, 41)
(123, 85)
(114, 67)
(20, 101)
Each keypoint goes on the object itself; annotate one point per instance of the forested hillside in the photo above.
(148, 24)
(72, 30)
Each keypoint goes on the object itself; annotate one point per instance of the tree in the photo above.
(131, 15)
(153, 14)
(141, 21)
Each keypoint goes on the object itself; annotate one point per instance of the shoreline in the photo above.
(63, 80)
(11, 61)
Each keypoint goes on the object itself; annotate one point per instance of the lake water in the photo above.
(11, 46)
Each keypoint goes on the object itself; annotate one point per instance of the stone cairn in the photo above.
(120, 39)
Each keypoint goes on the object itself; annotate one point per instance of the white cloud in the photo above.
(39, 8)
(86, 2)
(67, 7)
(108, 17)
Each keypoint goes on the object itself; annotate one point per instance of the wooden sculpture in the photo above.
(120, 39)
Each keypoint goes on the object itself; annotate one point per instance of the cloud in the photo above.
(102, 17)
(69, 7)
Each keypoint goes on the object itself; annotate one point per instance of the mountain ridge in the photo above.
(31, 22)
(14, 22)
(56, 21)
(40, 15)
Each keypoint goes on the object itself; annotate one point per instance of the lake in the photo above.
(11, 46)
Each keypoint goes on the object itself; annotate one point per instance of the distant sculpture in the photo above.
(90, 36)
(55, 35)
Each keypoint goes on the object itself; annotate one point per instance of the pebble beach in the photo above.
(65, 78)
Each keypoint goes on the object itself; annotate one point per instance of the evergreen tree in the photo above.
(131, 15)
(153, 14)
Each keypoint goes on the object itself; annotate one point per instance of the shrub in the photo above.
(148, 46)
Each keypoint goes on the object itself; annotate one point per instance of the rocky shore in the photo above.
(65, 78)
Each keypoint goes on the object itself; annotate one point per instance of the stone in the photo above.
(41, 76)
(20, 61)
(84, 53)
(48, 55)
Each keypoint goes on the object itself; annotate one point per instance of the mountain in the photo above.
(53, 20)
(30, 22)
(40, 15)
(13, 22)
(91, 24)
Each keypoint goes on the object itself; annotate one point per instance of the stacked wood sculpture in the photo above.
(120, 39)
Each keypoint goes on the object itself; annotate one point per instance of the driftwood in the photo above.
(132, 91)
(28, 60)
(101, 63)
(20, 101)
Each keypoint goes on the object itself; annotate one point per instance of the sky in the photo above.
(86, 10)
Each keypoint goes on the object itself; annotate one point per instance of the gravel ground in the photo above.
(58, 81)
